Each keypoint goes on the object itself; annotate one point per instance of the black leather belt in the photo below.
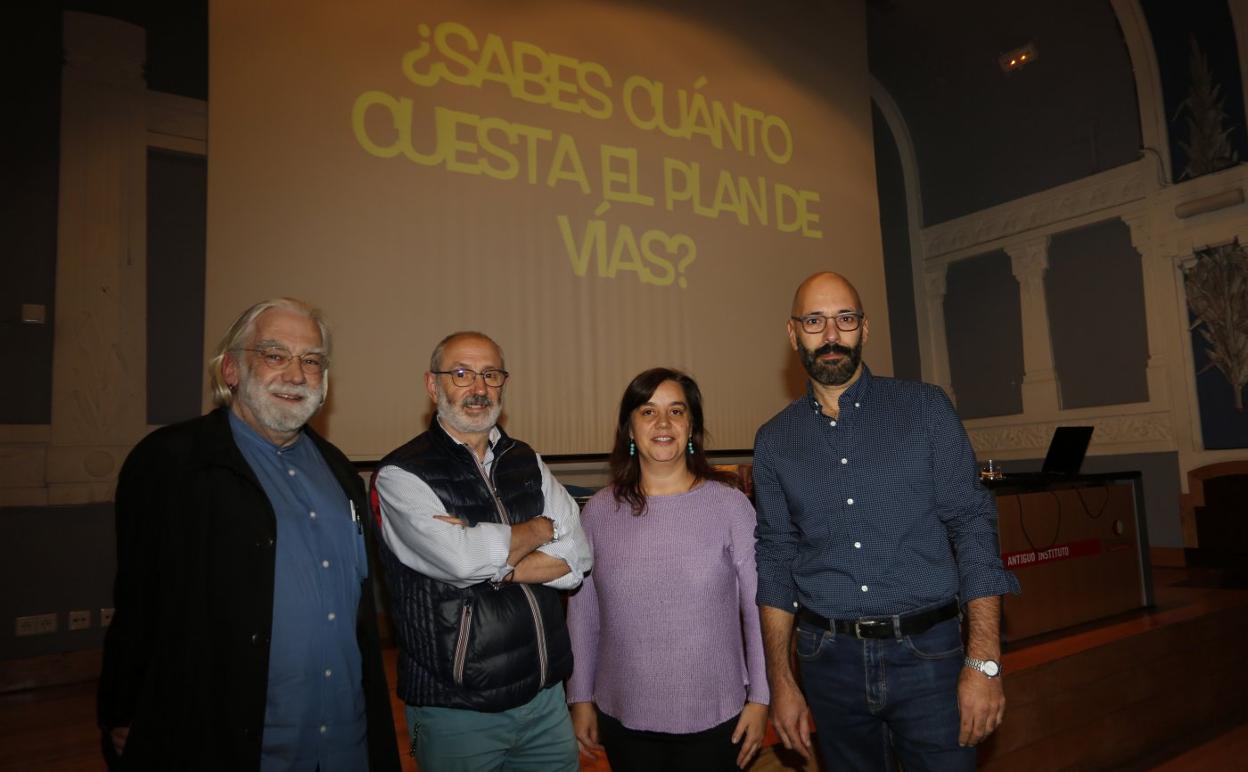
(896, 626)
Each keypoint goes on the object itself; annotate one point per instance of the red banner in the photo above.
(1074, 549)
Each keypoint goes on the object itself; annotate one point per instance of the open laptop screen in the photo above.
(1066, 450)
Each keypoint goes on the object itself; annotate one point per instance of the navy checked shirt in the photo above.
(879, 511)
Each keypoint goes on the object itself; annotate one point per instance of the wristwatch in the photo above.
(989, 667)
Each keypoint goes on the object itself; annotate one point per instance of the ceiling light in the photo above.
(1014, 60)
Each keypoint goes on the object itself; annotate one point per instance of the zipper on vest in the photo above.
(461, 645)
(499, 509)
(542, 656)
(538, 624)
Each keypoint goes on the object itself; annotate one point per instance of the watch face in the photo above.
(990, 668)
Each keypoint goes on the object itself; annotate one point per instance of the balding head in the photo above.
(820, 285)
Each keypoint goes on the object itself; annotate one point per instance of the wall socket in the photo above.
(106, 617)
(79, 619)
(36, 624)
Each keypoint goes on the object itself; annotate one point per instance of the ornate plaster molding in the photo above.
(1044, 210)
(1110, 430)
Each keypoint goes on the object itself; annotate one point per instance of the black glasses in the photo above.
(279, 359)
(816, 323)
(463, 377)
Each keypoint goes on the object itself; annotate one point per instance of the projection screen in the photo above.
(601, 186)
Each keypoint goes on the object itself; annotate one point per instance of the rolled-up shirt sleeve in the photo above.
(776, 547)
(967, 509)
(569, 544)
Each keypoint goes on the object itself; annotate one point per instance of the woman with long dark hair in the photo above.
(669, 671)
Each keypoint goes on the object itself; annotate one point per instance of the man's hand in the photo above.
(791, 717)
(585, 727)
(751, 727)
(789, 712)
(981, 701)
(118, 735)
(528, 536)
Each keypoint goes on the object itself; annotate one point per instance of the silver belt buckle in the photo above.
(858, 629)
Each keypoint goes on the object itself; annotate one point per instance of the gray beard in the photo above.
(450, 415)
(272, 415)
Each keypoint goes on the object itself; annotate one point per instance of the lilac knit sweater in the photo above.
(665, 631)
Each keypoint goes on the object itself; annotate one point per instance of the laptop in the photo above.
(1064, 459)
(1066, 451)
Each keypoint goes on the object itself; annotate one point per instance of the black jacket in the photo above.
(485, 647)
(186, 657)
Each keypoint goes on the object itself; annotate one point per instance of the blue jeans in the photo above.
(536, 736)
(876, 702)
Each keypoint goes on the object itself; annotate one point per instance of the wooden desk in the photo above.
(1079, 548)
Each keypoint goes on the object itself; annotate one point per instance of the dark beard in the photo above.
(837, 374)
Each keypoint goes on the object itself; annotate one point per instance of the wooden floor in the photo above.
(52, 729)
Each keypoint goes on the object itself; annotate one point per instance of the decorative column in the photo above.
(99, 355)
(1029, 261)
(1161, 314)
(936, 368)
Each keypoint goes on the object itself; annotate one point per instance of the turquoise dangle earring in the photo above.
(632, 448)
(691, 447)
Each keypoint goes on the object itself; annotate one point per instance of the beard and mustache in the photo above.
(831, 373)
(453, 414)
(277, 415)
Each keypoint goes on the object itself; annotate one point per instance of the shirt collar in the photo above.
(855, 393)
(495, 434)
(244, 433)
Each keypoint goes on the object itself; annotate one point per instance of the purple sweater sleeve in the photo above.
(583, 622)
(743, 523)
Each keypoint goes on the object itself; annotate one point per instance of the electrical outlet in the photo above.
(79, 619)
(106, 617)
(36, 624)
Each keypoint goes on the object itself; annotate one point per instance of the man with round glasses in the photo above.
(875, 537)
(477, 540)
(245, 634)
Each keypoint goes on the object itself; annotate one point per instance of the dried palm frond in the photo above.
(1217, 295)
(1208, 147)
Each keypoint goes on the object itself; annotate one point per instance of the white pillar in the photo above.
(1030, 260)
(98, 361)
(1161, 312)
(937, 358)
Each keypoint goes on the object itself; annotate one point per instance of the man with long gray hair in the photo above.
(245, 634)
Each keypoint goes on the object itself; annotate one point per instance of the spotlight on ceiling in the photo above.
(1012, 61)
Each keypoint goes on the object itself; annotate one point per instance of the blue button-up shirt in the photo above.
(877, 511)
(314, 714)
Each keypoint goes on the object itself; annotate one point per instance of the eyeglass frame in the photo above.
(482, 375)
(858, 316)
(287, 356)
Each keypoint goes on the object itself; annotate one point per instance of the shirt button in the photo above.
(794, 604)
(864, 588)
(290, 472)
(328, 673)
(324, 729)
(857, 404)
(332, 616)
(312, 515)
(844, 460)
(857, 545)
(831, 423)
(849, 501)
(324, 564)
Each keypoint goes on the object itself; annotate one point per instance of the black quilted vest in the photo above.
(484, 647)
